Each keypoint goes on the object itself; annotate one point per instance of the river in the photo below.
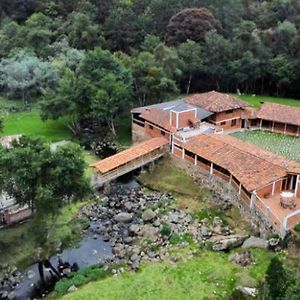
(90, 251)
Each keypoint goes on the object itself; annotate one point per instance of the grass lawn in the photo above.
(189, 195)
(169, 178)
(286, 146)
(209, 275)
(17, 243)
(89, 159)
(30, 124)
(255, 100)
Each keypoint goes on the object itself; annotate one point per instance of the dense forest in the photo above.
(91, 57)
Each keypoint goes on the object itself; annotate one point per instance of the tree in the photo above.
(282, 72)
(11, 37)
(150, 81)
(123, 29)
(43, 179)
(217, 56)
(38, 31)
(293, 291)
(65, 56)
(191, 56)
(245, 70)
(100, 89)
(190, 23)
(150, 43)
(277, 279)
(82, 31)
(167, 57)
(24, 75)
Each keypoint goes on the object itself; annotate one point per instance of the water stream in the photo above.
(90, 251)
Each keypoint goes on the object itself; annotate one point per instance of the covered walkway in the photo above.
(128, 160)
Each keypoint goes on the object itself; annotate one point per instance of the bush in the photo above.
(209, 214)
(80, 278)
(178, 239)
(166, 229)
(297, 228)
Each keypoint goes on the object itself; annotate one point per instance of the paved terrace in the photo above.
(282, 218)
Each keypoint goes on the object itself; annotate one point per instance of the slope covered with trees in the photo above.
(94, 59)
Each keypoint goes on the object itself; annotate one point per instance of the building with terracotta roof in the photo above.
(222, 111)
(267, 184)
(259, 176)
(278, 118)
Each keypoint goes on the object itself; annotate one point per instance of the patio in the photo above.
(277, 214)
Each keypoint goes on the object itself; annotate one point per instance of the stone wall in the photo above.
(224, 195)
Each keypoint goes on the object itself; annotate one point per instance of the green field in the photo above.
(208, 275)
(30, 124)
(255, 100)
(286, 146)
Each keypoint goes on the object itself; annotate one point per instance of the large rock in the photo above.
(149, 232)
(134, 228)
(228, 242)
(72, 289)
(243, 259)
(255, 242)
(123, 217)
(148, 215)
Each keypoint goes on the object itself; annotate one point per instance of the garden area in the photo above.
(280, 144)
(256, 100)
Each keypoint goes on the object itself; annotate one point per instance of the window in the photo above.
(223, 123)
(233, 123)
(162, 132)
(151, 127)
(229, 111)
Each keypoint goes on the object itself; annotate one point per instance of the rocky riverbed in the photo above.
(141, 225)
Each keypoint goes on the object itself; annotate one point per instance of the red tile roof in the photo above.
(249, 113)
(126, 156)
(251, 165)
(215, 101)
(158, 117)
(279, 113)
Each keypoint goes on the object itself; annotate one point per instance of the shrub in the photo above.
(178, 239)
(297, 228)
(209, 214)
(80, 278)
(166, 229)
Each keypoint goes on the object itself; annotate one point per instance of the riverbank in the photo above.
(166, 249)
(18, 243)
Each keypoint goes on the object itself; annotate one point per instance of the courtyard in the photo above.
(286, 146)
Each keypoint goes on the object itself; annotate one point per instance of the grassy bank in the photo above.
(256, 100)
(169, 178)
(208, 275)
(189, 195)
(18, 244)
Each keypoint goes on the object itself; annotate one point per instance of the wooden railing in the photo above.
(100, 179)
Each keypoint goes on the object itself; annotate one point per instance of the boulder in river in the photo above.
(123, 217)
(148, 215)
(255, 242)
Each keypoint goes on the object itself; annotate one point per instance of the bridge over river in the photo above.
(128, 160)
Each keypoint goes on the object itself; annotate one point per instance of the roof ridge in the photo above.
(263, 150)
